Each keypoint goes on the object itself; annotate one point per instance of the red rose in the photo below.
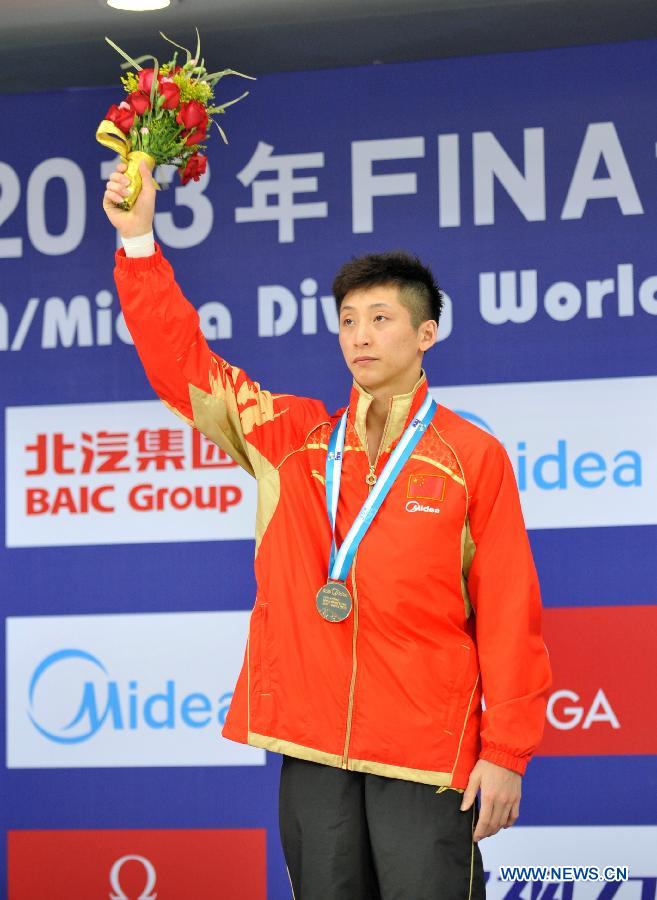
(145, 80)
(192, 115)
(139, 101)
(122, 115)
(196, 166)
(196, 137)
(171, 93)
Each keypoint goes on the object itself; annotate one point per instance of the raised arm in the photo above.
(255, 427)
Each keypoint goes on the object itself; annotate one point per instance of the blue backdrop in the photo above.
(577, 124)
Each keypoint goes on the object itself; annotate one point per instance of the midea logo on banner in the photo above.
(559, 468)
(102, 703)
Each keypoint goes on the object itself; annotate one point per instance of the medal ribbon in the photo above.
(341, 560)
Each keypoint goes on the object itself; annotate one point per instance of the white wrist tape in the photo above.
(142, 245)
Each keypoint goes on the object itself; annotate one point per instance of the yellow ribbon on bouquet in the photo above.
(114, 139)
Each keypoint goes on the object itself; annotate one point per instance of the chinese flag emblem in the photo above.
(427, 487)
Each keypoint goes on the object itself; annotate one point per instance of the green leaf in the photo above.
(156, 67)
(143, 57)
(198, 46)
(131, 61)
(189, 55)
(216, 76)
(221, 131)
(230, 102)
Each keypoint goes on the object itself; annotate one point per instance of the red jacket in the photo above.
(446, 596)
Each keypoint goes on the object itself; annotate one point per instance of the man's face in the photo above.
(381, 347)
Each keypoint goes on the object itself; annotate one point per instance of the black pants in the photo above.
(351, 836)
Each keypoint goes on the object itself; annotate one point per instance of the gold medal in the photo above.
(333, 601)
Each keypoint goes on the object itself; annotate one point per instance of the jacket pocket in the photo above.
(461, 664)
(258, 660)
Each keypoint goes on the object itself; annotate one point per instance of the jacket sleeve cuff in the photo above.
(507, 760)
(138, 263)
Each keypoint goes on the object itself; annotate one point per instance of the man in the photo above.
(395, 586)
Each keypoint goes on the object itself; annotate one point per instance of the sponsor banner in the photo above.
(124, 690)
(595, 847)
(605, 681)
(115, 473)
(130, 473)
(584, 452)
(122, 865)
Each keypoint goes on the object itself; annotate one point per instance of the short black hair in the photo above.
(419, 292)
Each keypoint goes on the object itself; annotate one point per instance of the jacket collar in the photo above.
(402, 407)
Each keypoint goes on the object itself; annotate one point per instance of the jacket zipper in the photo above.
(371, 480)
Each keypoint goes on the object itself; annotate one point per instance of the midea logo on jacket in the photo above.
(560, 467)
(103, 703)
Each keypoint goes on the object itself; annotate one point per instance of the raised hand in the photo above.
(138, 220)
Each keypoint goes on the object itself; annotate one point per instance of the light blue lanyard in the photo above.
(340, 561)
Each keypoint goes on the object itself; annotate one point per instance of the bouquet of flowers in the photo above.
(166, 115)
